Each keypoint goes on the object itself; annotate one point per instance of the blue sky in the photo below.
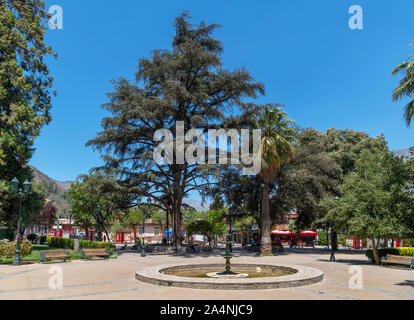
(326, 74)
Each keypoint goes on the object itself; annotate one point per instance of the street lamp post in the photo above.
(70, 222)
(332, 258)
(230, 233)
(143, 253)
(16, 190)
(98, 210)
(58, 224)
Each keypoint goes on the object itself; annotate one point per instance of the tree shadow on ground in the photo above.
(408, 283)
(348, 261)
(310, 250)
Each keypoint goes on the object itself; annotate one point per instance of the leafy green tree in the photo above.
(405, 87)
(375, 201)
(216, 216)
(303, 182)
(190, 215)
(278, 136)
(131, 219)
(246, 225)
(95, 200)
(186, 83)
(160, 218)
(345, 147)
(211, 223)
(200, 226)
(25, 92)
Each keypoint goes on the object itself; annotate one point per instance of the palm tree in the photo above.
(278, 134)
(406, 87)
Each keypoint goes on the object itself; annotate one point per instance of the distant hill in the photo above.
(56, 190)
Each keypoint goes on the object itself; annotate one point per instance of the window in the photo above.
(140, 230)
(157, 231)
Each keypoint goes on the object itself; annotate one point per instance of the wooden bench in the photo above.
(88, 253)
(54, 255)
(402, 260)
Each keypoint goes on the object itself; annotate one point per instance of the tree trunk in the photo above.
(375, 253)
(266, 241)
(107, 236)
(176, 212)
(327, 239)
(334, 240)
(168, 225)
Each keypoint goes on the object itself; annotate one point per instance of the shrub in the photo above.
(63, 243)
(322, 238)
(395, 251)
(26, 248)
(70, 243)
(42, 239)
(96, 244)
(32, 237)
(8, 249)
(409, 242)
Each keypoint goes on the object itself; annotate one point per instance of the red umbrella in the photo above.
(281, 233)
(309, 233)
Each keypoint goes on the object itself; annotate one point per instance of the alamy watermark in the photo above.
(197, 147)
(56, 19)
(356, 280)
(356, 22)
(56, 281)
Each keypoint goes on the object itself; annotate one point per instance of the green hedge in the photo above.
(70, 243)
(395, 251)
(42, 239)
(63, 243)
(96, 244)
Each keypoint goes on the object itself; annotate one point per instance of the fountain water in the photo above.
(251, 276)
(227, 256)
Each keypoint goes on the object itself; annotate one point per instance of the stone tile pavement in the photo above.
(115, 279)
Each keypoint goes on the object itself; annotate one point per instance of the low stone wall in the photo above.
(302, 277)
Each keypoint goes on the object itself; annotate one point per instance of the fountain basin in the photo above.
(294, 276)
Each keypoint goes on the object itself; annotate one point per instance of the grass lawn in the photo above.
(35, 255)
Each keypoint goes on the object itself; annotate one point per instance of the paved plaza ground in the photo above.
(114, 279)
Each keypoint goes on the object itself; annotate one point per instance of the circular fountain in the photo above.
(236, 276)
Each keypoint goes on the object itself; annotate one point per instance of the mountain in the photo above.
(56, 189)
(197, 204)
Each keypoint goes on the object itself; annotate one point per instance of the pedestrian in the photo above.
(191, 244)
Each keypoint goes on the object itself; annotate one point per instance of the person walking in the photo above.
(191, 244)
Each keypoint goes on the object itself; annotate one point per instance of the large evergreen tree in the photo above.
(25, 92)
(186, 83)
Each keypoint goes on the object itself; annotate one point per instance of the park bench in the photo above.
(88, 253)
(401, 260)
(54, 255)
